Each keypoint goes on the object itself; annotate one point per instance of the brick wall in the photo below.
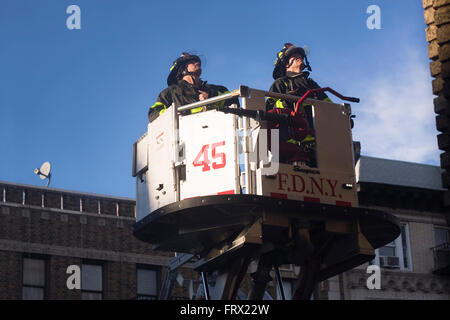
(437, 18)
(68, 228)
(76, 234)
(126, 287)
(58, 277)
(10, 275)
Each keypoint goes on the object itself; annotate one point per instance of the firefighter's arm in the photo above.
(274, 103)
(320, 95)
(162, 103)
(220, 90)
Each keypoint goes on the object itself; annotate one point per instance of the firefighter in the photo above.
(185, 87)
(290, 77)
(297, 143)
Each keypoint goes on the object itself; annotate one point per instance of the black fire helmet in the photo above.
(283, 58)
(179, 66)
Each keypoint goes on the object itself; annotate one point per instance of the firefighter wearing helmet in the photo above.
(297, 143)
(185, 87)
(290, 77)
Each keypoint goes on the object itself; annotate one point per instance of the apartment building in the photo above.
(51, 238)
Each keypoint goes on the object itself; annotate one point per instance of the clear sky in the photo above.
(79, 98)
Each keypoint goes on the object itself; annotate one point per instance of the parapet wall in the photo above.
(39, 197)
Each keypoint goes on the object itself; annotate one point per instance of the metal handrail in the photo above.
(243, 91)
(232, 94)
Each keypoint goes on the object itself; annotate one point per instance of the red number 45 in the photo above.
(215, 155)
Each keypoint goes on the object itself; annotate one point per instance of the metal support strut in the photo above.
(280, 282)
(260, 278)
(205, 285)
(179, 260)
(309, 273)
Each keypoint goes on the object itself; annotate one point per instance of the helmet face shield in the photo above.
(307, 50)
(292, 50)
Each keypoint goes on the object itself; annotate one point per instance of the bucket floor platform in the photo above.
(209, 226)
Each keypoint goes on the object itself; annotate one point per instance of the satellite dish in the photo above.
(44, 171)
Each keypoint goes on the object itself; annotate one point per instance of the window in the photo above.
(146, 284)
(33, 282)
(441, 251)
(388, 250)
(396, 255)
(91, 282)
(441, 236)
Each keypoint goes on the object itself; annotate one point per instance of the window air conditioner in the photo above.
(389, 262)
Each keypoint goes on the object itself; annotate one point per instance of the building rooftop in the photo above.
(400, 173)
(368, 169)
(57, 190)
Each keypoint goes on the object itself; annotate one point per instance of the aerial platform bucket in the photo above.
(207, 185)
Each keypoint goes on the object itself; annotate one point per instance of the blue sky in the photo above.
(79, 98)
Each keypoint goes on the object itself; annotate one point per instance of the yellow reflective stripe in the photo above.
(279, 104)
(308, 138)
(159, 104)
(220, 103)
(278, 58)
(196, 110)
